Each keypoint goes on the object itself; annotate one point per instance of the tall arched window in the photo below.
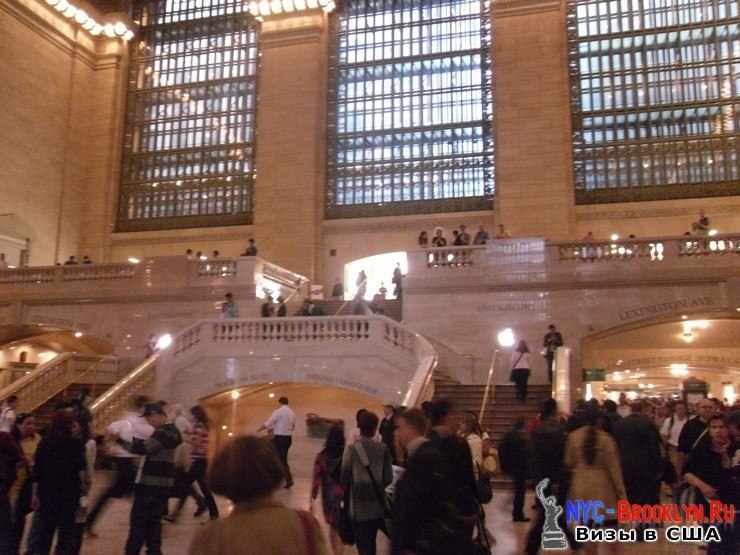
(656, 98)
(188, 153)
(410, 108)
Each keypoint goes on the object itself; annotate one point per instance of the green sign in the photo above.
(693, 385)
(594, 375)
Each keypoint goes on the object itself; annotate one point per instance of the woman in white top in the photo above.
(471, 431)
(520, 369)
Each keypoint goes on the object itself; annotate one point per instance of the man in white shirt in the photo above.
(671, 429)
(7, 414)
(131, 425)
(281, 425)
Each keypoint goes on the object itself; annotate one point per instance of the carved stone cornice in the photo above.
(513, 8)
(42, 23)
(656, 210)
(181, 236)
(293, 28)
(405, 223)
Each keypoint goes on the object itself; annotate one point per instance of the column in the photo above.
(534, 182)
(290, 150)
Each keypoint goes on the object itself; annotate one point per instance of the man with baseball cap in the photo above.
(154, 481)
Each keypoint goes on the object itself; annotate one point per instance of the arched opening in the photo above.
(243, 410)
(379, 270)
(654, 358)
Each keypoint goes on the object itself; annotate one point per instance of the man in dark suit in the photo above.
(639, 449)
(387, 429)
(427, 517)
(553, 340)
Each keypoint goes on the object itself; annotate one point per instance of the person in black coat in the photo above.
(387, 429)
(639, 449)
(514, 459)
(428, 516)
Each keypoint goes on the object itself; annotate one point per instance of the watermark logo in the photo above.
(553, 537)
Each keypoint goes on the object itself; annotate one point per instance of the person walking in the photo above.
(154, 481)
(366, 472)
(520, 369)
(21, 492)
(592, 457)
(426, 516)
(671, 430)
(281, 425)
(248, 472)
(327, 480)
(693, 432)
(10, 458)
(514, 460)
(387, 428)
(60, 476)
(7, 414)
(229, 308)
(548, 453)
(713, 468)
(124, 462)
(200, 438)
(640, 456)
(553, 340)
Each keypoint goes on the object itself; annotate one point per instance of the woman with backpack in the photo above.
(326, 478)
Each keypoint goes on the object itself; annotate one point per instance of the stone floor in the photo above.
(113, 526)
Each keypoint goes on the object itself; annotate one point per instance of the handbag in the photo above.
(512, 374)
(483, 488)
(382, 499)
(345, 525)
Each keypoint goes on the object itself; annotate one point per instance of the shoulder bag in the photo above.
(382, 499)
(511, 374)
(483, 488)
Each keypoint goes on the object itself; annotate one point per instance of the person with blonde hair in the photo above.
(248, 472)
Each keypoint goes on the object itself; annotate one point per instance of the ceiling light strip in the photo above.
(89, 24)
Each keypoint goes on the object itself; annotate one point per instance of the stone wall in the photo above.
(60, 107)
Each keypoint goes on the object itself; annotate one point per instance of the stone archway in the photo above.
(657, 354)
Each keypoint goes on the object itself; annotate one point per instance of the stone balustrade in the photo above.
(534, 260)
(155, 276)
(372, 354)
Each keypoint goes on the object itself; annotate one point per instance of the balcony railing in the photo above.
(536, 261)
(355, 336)
(154, 276)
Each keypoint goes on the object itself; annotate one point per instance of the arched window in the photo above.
(656, 98)
(410, 108)
(188, 153)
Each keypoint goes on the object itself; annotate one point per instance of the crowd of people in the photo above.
(632, 451)
(460, 237)
(157, 452)
(419, 476)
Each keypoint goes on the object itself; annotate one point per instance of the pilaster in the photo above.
(291, 140)
(534, 184)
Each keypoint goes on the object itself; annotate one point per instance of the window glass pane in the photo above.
(410, 107)
(188, 151)
(659, 78)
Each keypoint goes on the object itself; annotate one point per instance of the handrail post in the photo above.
(491, 370)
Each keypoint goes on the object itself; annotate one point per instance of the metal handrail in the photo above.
(489, 385)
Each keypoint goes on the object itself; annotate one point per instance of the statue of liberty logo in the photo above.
(553, 537)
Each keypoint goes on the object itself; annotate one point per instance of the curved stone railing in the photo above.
(353, 336)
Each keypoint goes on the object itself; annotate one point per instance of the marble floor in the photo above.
(113, 526)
